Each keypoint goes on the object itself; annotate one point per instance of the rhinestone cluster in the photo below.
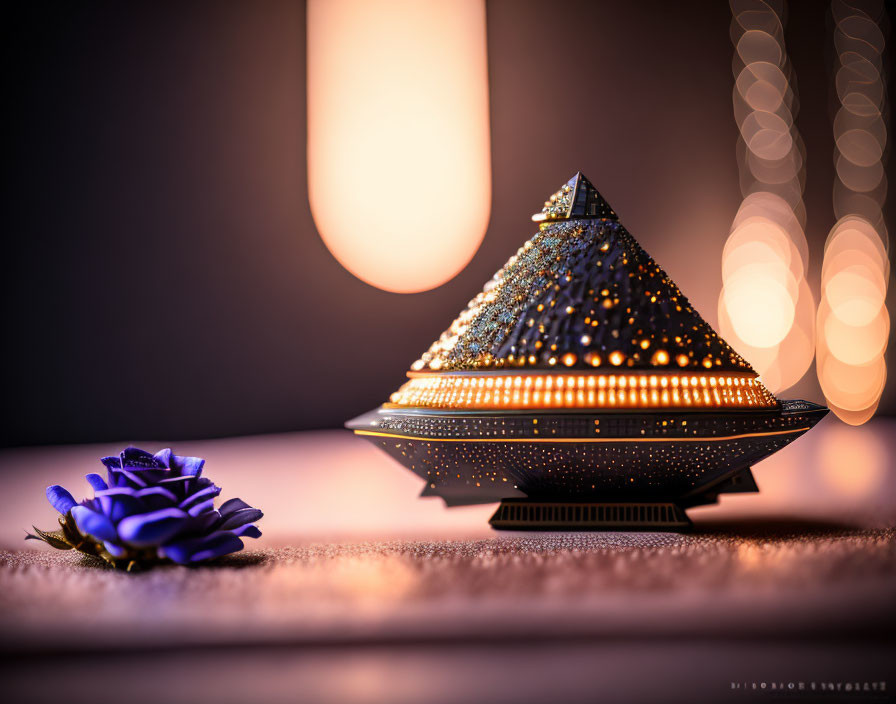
(557, 206)
(577, 199)
(580, 294)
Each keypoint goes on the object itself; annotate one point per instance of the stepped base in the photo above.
(524, 514)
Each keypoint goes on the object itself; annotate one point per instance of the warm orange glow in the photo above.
(784, 364)
(760, 299)
(854, 344)
(767, 135)
(766, 310)
(659, 358)
(581, 391)
(398, 136)
(761, 238)
(855, 387)
(756, 45)
(765, 207)
(763, 86)
(856, 293)
(862, 179)
(853, 321)
(853, 461)
(857, 235)
(854, 417)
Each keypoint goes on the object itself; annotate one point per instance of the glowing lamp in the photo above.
(582, 389)
(398, 127)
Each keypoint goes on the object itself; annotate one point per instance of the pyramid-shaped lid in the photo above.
(577, 199)
(581, 294)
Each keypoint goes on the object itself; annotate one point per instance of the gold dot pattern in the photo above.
(546, 391)
(580, 294)
(662, 455)
(581, 370)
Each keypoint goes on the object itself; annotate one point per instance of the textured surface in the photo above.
(581, 294)
(793, 579)
(382, 621)
(418, 603)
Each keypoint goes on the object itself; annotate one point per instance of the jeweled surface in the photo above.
(581, 294)
(581, 372)
(599, 456)
(577, 198)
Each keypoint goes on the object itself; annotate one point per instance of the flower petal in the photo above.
(93, 523)
(116, 479)
(240, 517)
(135, 458)
(152, 528)
(204, 522)
(202, 507)
(61, 500)
(157, 497)
(179, 485)
(248, 531)
(163, 457)
(132, 479)
(112, 462)
(145, 476)
(142, 468)
(197, 549)
(116, 490)
(119, 503)
(208, 492)
(113, 549)
(187, 465)
(232, 505)
(96, 481)
(93, 505)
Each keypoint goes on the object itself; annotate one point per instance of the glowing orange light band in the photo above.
(581, 391)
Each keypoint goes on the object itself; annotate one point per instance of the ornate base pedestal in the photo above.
(523, 514)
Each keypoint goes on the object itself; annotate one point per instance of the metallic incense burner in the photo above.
(582, 390)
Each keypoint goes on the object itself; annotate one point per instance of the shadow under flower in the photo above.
(233, 561)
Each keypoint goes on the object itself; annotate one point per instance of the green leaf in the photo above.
(57, 538)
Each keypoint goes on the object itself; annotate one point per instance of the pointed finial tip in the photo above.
(577, 199)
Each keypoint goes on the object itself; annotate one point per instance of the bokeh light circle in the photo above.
(853, 344)
(852, 387)
(760, 304)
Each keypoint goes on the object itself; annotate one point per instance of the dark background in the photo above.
(164, 278)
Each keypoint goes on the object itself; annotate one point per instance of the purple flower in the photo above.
(149, 509)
